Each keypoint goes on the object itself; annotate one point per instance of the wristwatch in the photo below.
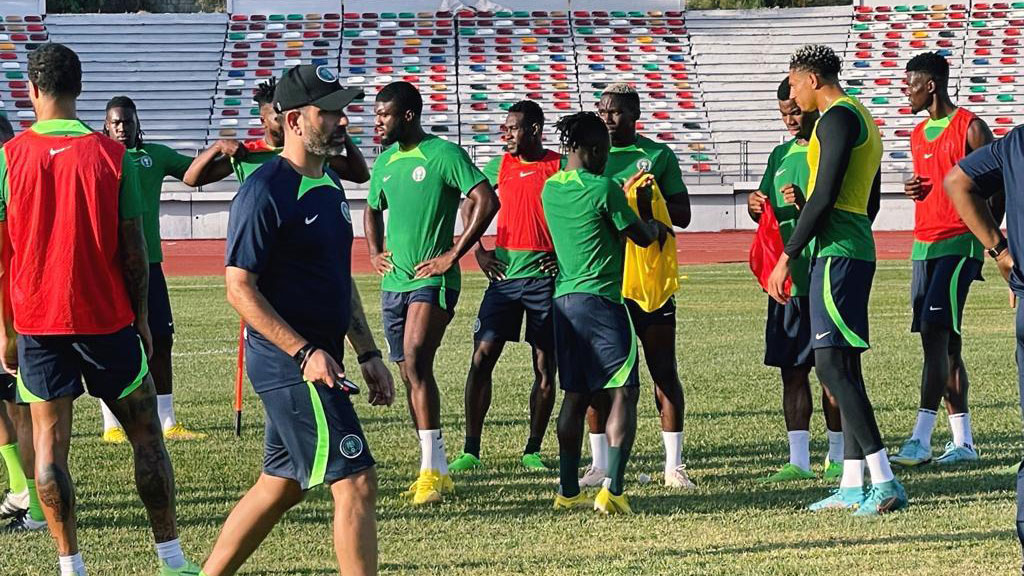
(996, 250)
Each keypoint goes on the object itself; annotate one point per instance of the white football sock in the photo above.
(800, 449)
(71, 565)
(165, 410)
(673, 450)
(853, 474)
(878, 465)
(960, 425)
(924, 426)
(170, 553)
(599, 450)
(835, 446)
(432, 456)
(109, 420)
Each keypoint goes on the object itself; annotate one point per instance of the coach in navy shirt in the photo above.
(986, 171)
(288, 274)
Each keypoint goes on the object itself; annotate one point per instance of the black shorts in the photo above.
(395, 305)
(111, 365)
(787, 334)
(506, 302)
(938, 290)
(840, 289)
(7, 387)
(663, 316)
(595, 346)
(312, 435)
(161, 323)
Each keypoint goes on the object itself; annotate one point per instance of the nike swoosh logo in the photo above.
(934, 309)
(927, 156)
(386, 178)
(780, 171)
(525, 174)
(822, 335)
(311, 220)
(55, 151)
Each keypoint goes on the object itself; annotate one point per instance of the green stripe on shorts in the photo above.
(622, 374)
(316, 475)
(24, 394)
(833, 312)
(143, 370)
(954, 302)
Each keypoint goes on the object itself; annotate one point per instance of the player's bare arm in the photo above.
(972, 205)
(352, 165)
(214, 163)
(8, 337)
(373, 224)
(135, 264)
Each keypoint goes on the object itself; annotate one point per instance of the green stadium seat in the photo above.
(1005, 98)
(879, 100)
(901, 8)
(294, 17)
(978, 89)
(276, 17)
(232, 102)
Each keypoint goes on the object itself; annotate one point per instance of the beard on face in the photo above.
(320, 143)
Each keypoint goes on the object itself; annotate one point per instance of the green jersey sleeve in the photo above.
(492, 169)
(616, 207)
(130, 196)
(3, 185)
(459, 172)
(767, 184)
(375, 197)
(671, 178)
(173, 163)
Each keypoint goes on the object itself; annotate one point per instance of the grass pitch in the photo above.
(960, 521)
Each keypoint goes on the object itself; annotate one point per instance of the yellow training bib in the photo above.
(651, 275)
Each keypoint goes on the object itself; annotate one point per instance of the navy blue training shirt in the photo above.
(1001, 163)
(296, 234)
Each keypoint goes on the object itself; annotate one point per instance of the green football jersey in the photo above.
(586, 214)
(258, 154)
(649, 156)
(788, 165)
(154, 162)
(421, 189)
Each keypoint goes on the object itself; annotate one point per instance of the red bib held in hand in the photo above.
(767, 248)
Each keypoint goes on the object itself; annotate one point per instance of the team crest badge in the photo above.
(351, 446)
(146, 161)
(419, 174)
(346, 213)
(326, 74)
(643, 164)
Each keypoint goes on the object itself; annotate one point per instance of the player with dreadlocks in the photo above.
(595, 345)
(946, 258)
(154, 162)
(844, 155)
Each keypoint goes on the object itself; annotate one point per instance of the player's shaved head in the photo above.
(531, 111)
(6, 130)
(932, 65)
(783, 91)
(404, 95)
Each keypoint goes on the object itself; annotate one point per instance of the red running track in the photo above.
(206, 257)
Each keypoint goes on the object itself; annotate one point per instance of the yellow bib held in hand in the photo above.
(651, 275)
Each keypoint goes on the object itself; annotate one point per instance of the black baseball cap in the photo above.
(307, 85)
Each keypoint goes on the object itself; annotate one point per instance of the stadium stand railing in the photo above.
(167, 63)
(649, 49)
(882, 39)
(991, 83)
(507, 56)
(741, 55)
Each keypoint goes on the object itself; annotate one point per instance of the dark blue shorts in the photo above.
(938, 290)
(161, 323)
(312, 435)
(663, 316)
(595, 345)
(395, 305)
(111, 365)
(787, 334)
(840, 289)
(506, 302)
(7, 387)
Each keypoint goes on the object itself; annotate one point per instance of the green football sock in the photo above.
(9, 452)
(568, 467)
(35, 511)
(616, 470)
